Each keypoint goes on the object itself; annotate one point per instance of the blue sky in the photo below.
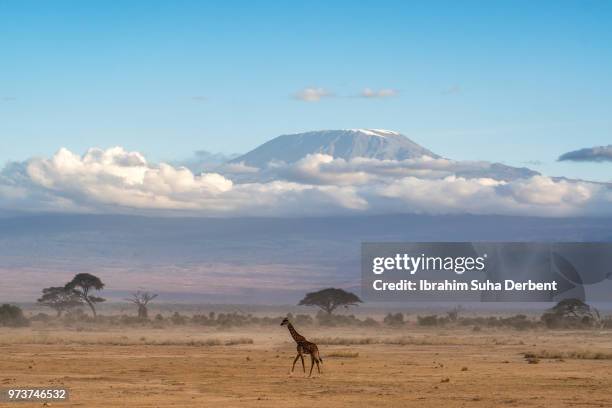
(516, 82)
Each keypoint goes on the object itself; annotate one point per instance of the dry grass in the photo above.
(413, 341)
(115, 339)
(241, 340)
(395, 341)
(561, 355)
(343, 354)
(345, 341)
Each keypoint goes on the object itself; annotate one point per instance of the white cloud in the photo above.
(545, 191)
(237, 168)
(117, 177)
(378, 93)
(324, 169)
(312, 94)
(114, 180)
(537, 195)
(117, 181)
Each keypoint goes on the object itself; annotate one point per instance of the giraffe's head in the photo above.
(285, 322)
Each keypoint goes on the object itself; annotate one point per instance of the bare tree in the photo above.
(141, 299)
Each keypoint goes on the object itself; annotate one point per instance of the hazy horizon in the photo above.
(233, 260)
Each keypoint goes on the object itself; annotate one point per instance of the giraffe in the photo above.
(303, 347)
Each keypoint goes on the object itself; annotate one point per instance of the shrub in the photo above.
(12, 316)
(40, 317)
(453, 314)
(519, 322)
(369, 322)
(201, 319)
(304, 320)
(431, 320)
(392, 319)
(176, 318)
(127, 320)
(325, 319)
(76, 315)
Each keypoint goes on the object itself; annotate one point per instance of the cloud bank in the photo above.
(118, 181)
(589, 154)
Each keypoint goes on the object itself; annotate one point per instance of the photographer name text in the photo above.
(453, 285)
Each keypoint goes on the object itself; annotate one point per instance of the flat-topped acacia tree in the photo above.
(83, 284)
(329, 299)
(571, 313)
(60, 299)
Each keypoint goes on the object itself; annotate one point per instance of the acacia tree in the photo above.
(571, 313)
(330, 299)
(60, 299)
(83, 284)
(141, 299)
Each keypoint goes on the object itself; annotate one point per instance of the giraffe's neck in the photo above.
(296, 336)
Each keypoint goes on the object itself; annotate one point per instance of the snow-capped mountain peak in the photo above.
(378, 144)
(375, 132)
(346, 144)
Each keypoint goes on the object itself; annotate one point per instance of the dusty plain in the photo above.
(409, 366)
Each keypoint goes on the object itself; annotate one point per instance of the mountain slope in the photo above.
(371, 143)
(345, 144)
(237, 260)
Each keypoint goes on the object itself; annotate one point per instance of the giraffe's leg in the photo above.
(293, 366)
(312, 362)
(303, 365)
(318, 368)
(319, 362)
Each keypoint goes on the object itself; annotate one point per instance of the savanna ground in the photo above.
(408, 366)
